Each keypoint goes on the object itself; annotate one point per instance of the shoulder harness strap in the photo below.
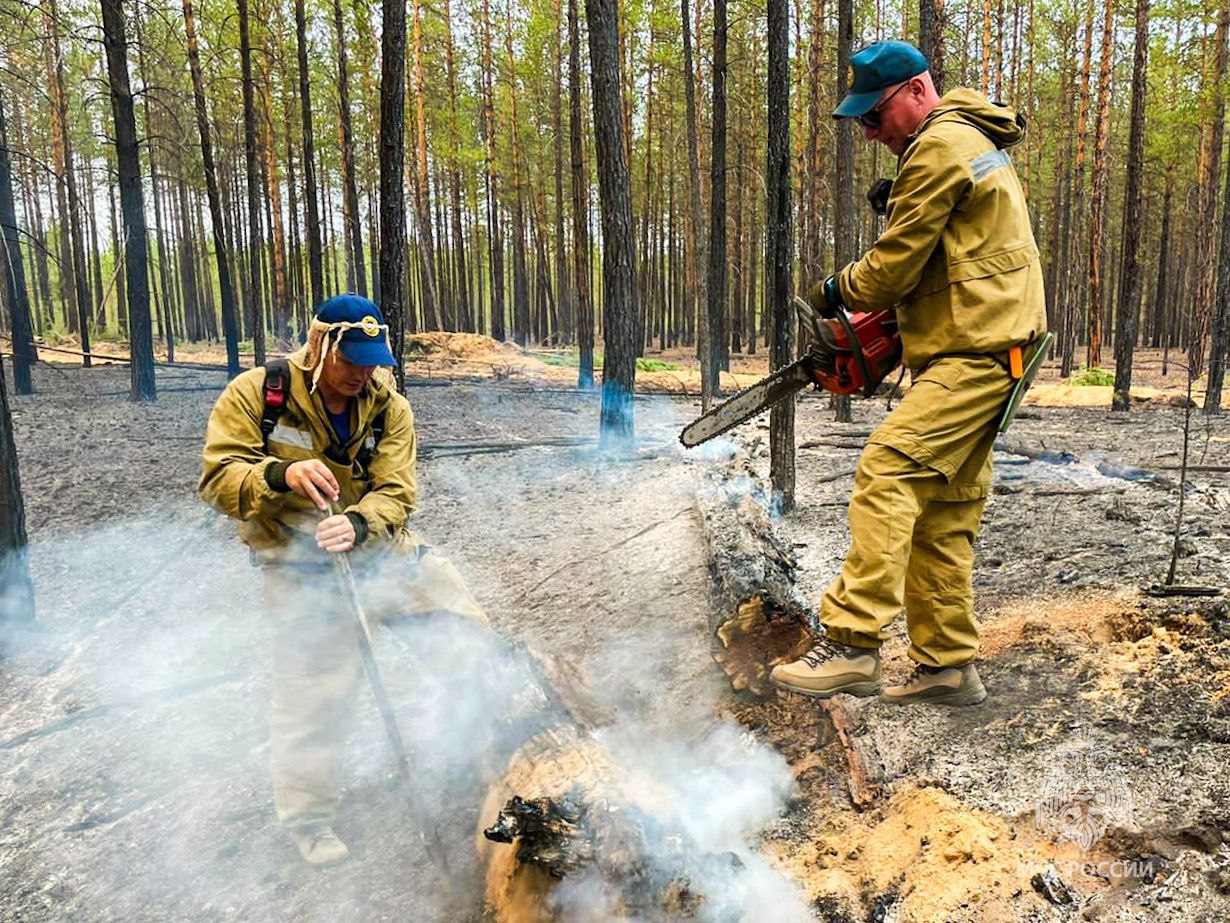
(364, 456)
(277, 392)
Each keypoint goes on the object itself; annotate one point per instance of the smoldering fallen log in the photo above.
(759, 616)
(564, 812)
(756, 611)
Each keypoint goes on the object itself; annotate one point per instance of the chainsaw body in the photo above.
(847, 353)
(854, 352)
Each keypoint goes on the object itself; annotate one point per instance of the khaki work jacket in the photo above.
(279, 526)
(957, 257)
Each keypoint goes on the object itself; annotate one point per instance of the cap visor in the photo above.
(856, 104)
(374, 352)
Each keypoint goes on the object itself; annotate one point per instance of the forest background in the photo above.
(1122, 165)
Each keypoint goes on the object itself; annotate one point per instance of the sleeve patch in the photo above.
(986, 163)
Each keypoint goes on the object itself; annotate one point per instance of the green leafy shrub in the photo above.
(1093, 376)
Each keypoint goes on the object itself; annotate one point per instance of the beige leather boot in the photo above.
(939, 686)
(320, 846)
(830, 668)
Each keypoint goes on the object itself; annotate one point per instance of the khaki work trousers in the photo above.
(919, 493)
(317, 666)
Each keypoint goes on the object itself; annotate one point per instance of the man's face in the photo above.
(343, 376)
(899, 111)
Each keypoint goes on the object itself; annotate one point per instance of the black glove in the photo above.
(877, 196)
(826, 298)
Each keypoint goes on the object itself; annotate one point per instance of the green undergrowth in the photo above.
(1093, 376)
(572, 359)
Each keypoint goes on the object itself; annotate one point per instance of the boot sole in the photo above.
(861, 690)
(956, 697)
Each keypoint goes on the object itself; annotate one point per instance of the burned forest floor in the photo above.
(133, 725)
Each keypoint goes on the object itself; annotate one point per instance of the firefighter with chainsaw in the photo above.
(314, 455)
(958, 262)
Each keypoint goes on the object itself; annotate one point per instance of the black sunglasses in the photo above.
(872, 118)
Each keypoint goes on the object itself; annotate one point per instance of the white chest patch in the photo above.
(299, 438)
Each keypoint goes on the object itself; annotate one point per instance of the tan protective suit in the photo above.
(958, 260)
(316, 663)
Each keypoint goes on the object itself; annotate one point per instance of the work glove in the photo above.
(877, 196)
(825, 297)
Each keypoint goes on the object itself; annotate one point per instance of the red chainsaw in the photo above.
(847, 353)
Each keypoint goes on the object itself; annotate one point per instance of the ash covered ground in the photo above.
(133, 730)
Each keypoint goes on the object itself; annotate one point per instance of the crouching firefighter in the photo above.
(314, 455)
(957, 259)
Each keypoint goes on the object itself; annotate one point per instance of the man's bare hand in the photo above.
(312, 478)
(335, 534)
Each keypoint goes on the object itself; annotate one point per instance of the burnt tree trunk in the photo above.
(1130, 281)
(353, 231)
(230, 307)
(132, 205)
(521, 297)
(844, 244)
(717, 276)
(931, 38)
(463, 314)
(256, 315)
(495, 228)
(1097, 203)
(422, 192)
(315, 257)
(16, 590)
(76, 249)
(699, 300)
(779, 255)
(619, 310)
(580, 207)
(16, 292)
(392, 166)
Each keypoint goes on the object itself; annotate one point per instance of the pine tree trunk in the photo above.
(1097, 217)
(392, 166)
(1075, 290)
(16, 293)
(132, 204)
(277, 242)
(193, 309)
(310, 194)
(121, 294)
(1219, 333)
(462, 311)
(563, 292)
(1211, 156)
(717, 279)
(845, 245)
(350, 189)
(40, 248)
(619, 309)
(494, 229)
(16, 590)
(697, 301)
(230, 308)
(521, 303)
(76, 249)
(427, 250)
(97, 299)
(1130, 270)
(779, 255)
(254, 291)
(931, 38)
(580, 207)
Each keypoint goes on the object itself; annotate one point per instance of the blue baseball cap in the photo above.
(366, 342)
(873, 70)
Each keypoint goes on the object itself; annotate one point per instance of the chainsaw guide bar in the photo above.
(749, 402)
